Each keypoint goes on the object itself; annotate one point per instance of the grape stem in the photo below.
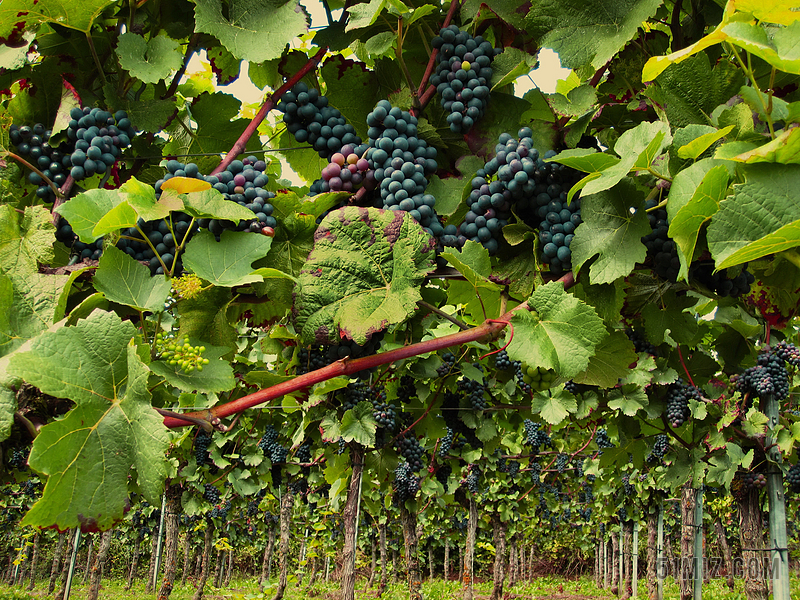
(461, 325)
(268, 105)
(685, 369)
(582, 448)
(486, 332)
(510, 337)
(46, 179)
(434, 53)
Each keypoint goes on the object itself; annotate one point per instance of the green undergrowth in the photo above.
(541, 588)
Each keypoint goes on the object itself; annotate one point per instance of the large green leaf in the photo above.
(363, 274)
(554, 408)
(88, 454)
(686, 225)
(691, 90)
(253, 31)
(127, 281)
(587, 32)
(561, 334)
(149, 60)
(25, 240)
(17, 15)
(612, 231)
(784, 149)
(28, 306)
(762, 216)
(358, 424)
(611, 361)
(227, 262)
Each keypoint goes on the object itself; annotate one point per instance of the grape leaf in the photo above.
(149, 60)
(359, 425)
(668, 317)
(127, 281)
(216, 376)
(8, 406)
(611, 231)
(587, 32)
(18, 15)
(111, 429)
(702, 143)
(629, 399)
(562, 334)
(205, 317)
(784, 149)
(694, 198)
(251, 31)
(25, 240)
(363, 274)
(228, 262)
(554, 408)
(28, 306)
(760, 218)
(611, 361)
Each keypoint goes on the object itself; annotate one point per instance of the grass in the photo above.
(541, 588)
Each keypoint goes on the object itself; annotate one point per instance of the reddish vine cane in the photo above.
(487, 331)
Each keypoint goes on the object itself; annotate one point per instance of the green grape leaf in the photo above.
(210, 204)
(111, 429)
(302, 158)
(784, 149)
(226, 263)
(702, 143)
(667, 318)
(473, 262)
(251, 31)
(554, 408)
(511, 64)
(85, 210)
(637, 148)
(562, 334)
(611, 231)
(364, 14)
(18, 15)
(28, 306)
(363, 274)
(611, 361)
(628, 399)
(216, 376)
(25, 240)
(756, 423)
(694, 198)
(449, 193)
(587, 32)
(150, 60)
(691, 90)
(127, 281)
(358, 424)
(206, 317)
(576, 102)
(8, 406)
(760, 218)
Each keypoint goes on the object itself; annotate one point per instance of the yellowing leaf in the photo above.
(184, 185)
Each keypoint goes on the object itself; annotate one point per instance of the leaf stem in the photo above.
(751, 76)
(441, 313)
(27, 423)
(96, 58)
(184, 417)
(655, 173)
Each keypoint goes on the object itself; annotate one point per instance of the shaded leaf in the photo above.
(228, 262)
(127, 281)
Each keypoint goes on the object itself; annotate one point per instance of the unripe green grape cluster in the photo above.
(538, 378)
(180, 353)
